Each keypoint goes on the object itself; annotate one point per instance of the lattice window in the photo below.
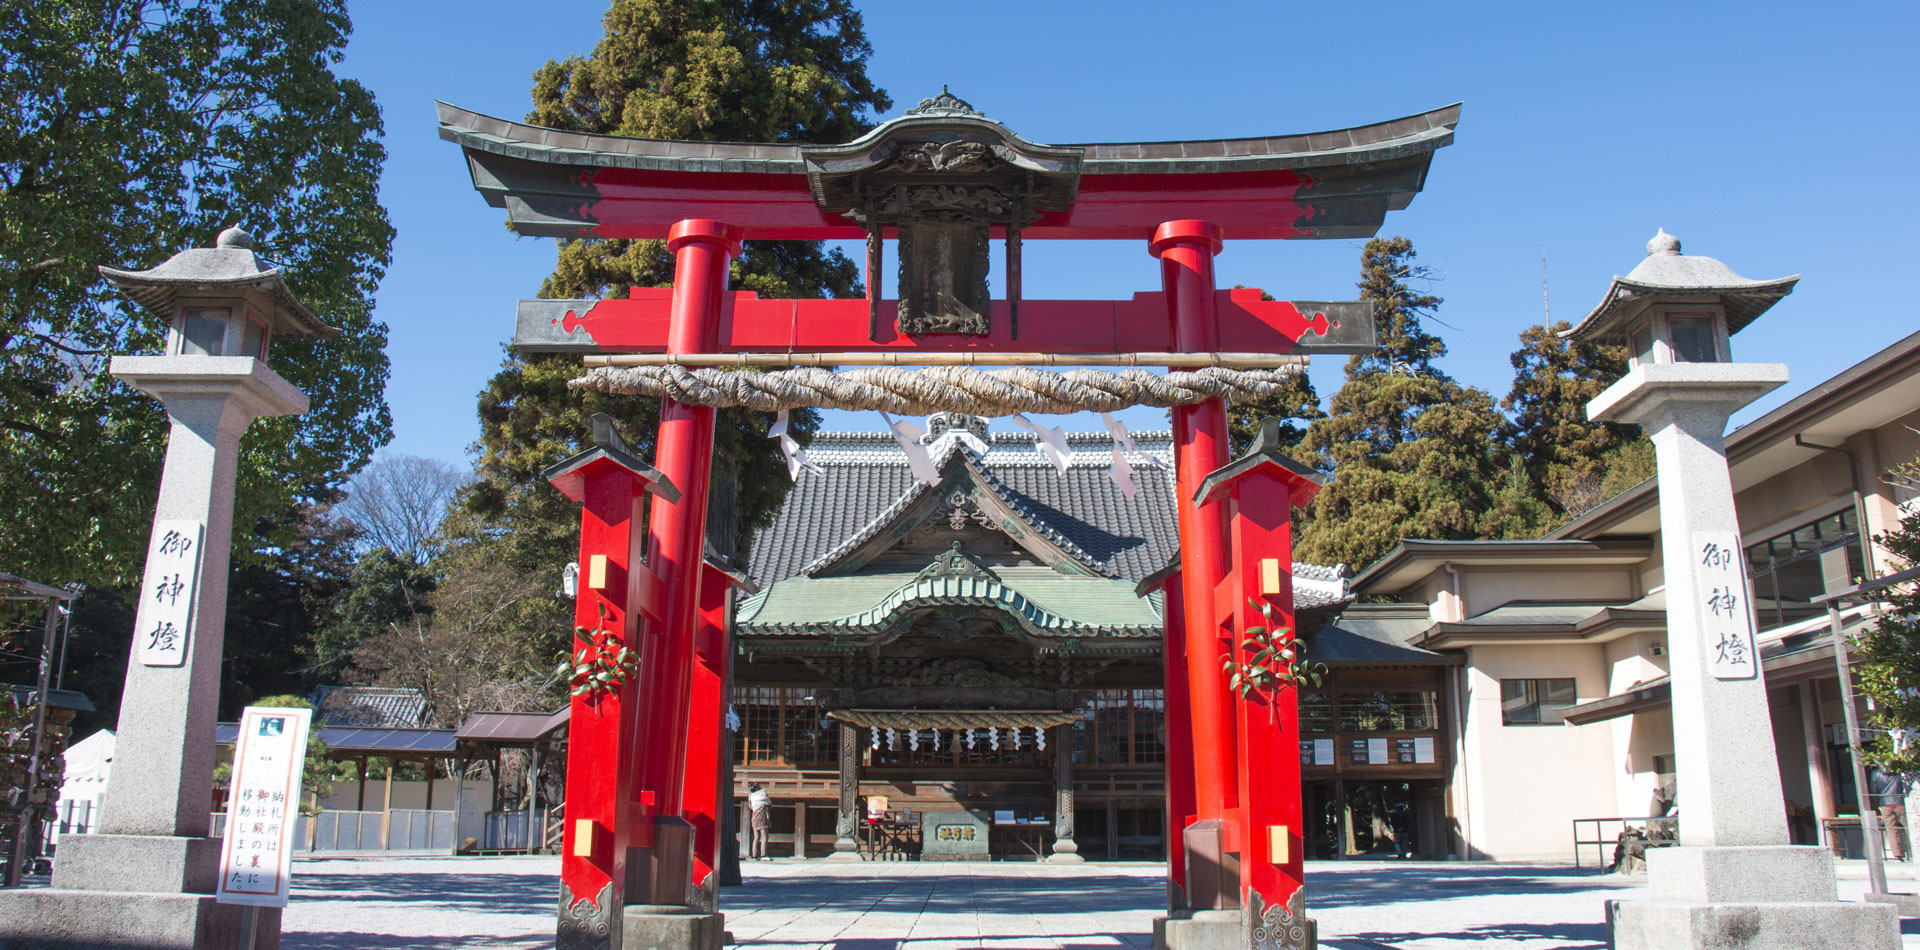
(1790, 569)
(784, 726)
(1316, 711)
(1388, 711)
(1122, 727)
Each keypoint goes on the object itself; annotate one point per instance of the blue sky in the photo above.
(1780, 139)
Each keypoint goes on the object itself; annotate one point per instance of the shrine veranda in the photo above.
(644, 782)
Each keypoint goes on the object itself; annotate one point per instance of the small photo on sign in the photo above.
(273, 727)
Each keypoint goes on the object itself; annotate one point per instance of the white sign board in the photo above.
(256, 858)
(165, 618)
(1323, 752)
(1423, 750)
(1726, 619)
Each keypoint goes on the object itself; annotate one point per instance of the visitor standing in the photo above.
(1889, 794)
(760, 817)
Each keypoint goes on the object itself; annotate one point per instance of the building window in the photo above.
(1122, 727)
(1316, 712)
(1404, 711)
(784, 726)
(1793, 567)
(1535, 702)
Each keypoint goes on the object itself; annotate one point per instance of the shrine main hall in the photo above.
(987, 650)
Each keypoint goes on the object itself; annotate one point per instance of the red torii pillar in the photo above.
(706, 738)
(1178, 711)
(1186, 249)
(610, 484)
(1260, 490)
(663, 847)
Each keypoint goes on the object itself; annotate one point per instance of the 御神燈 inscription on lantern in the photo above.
(1726, 619)
(165, 617)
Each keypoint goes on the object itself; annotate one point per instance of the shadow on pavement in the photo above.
(353, 940)
(1375, 885)
(490, 893)
(1574, 936)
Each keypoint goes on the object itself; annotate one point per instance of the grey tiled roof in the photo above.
(1315, 586)
(1376, 635)
(866, 476)
(368, 706)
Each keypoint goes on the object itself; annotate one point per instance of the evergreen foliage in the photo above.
(384, 590)
(1413, 452)
(1575, 463)
(745, 70)
(1887, 660)
(128, 132)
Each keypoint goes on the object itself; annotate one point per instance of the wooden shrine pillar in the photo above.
(846, 825)
(536, 834)
(1260, 490)
(800, 828)
(610, 484)
(1819, 776)
(1065, 849)
(660, 862)
(1186, 250)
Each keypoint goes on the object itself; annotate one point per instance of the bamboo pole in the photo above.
(968, 358)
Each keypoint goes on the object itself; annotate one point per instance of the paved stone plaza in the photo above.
(436, 903)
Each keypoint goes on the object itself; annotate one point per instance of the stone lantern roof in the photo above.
(230, 269)
(1672, 276)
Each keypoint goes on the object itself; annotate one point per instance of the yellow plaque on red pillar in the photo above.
(1270, 576)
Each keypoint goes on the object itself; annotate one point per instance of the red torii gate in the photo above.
(643, 789)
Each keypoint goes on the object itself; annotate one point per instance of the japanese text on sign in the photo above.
(954, 833)
(1726, 619)
(263, 804)
(165, 617)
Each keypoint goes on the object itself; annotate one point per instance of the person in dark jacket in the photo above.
(1888, 792)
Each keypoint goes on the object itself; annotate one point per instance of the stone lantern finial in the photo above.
(234, 237)
(1663, 243)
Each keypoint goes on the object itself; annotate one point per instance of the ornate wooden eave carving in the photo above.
(943, 176)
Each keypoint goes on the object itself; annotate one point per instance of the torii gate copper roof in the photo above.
(1336, 184)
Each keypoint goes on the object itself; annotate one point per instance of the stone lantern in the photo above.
(1679, 308)
(1734, 879)
(219, 301)
(147, 879)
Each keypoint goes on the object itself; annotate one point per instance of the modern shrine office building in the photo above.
(992, 644)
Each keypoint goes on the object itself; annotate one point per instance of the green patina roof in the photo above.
(1045, 603)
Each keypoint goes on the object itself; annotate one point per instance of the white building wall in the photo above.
(1642, 737)
(1527, 782)
(1486, 589)
(1631, 661)
(405, 794)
